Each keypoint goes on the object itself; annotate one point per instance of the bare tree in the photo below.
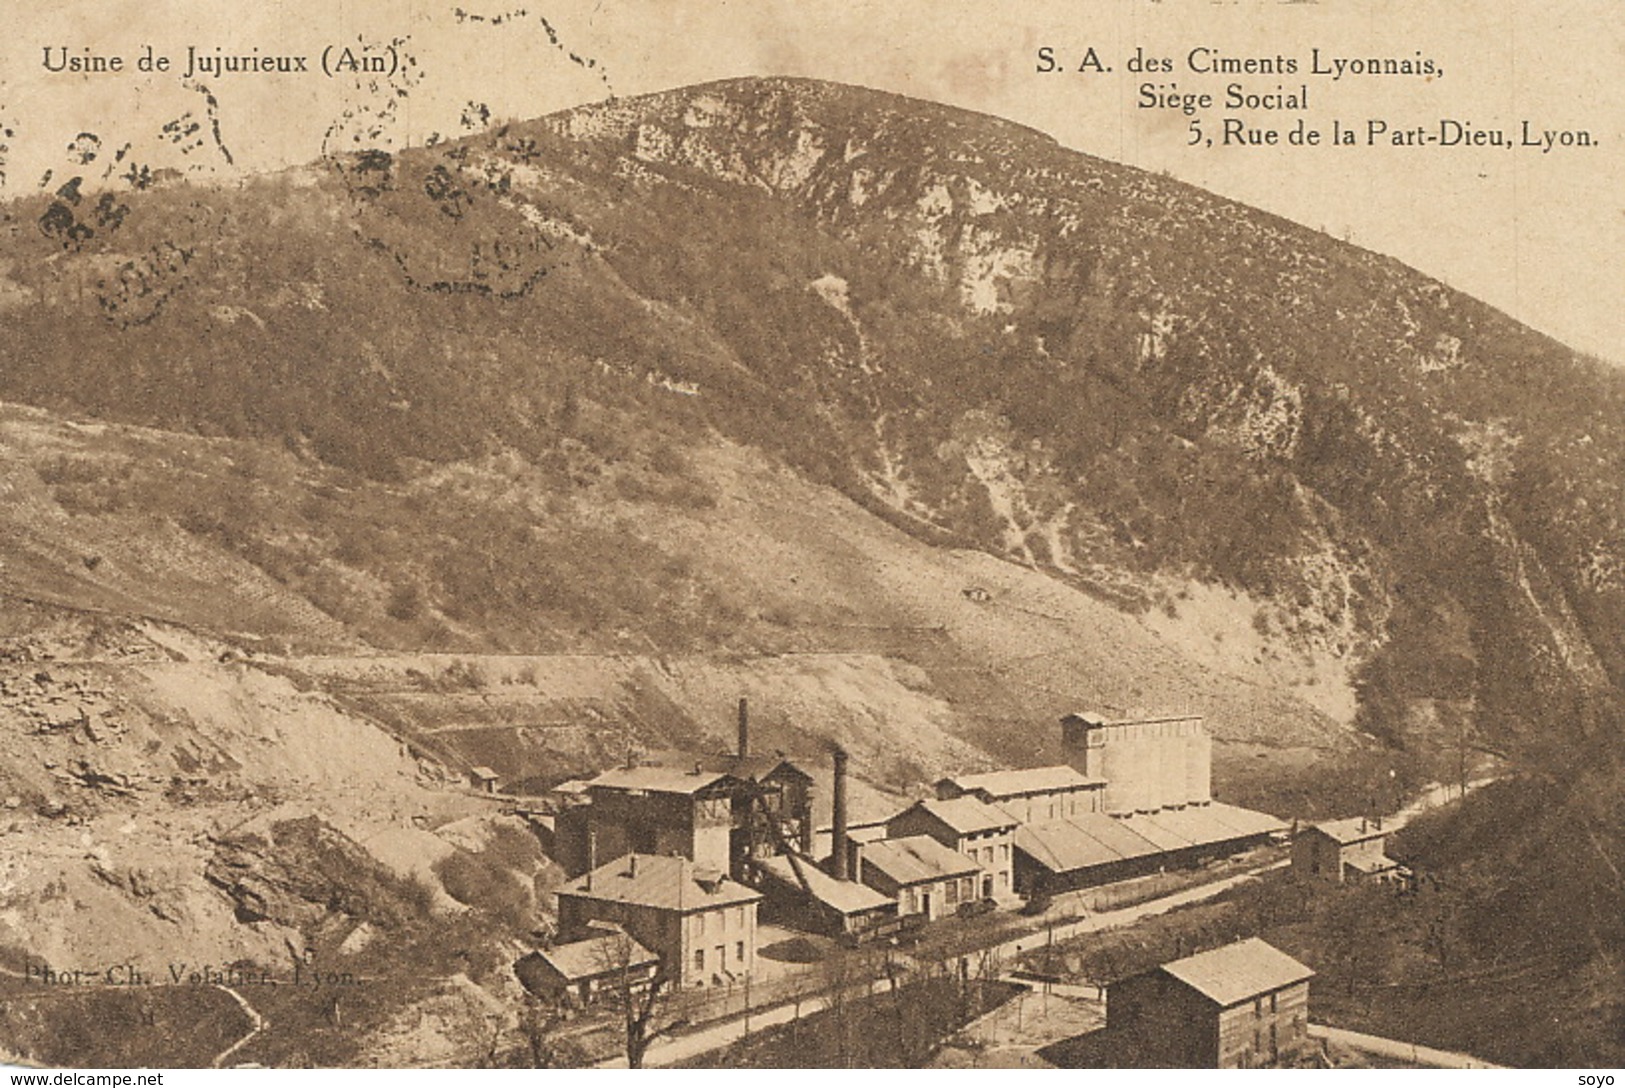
(839, 972)
(545, 1047)
(642, 998)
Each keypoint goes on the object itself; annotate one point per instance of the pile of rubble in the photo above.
(68, 712)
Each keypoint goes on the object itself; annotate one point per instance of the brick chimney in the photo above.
(839, 860)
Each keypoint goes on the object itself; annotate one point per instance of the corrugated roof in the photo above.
(597, 956)
(967, 815)
(663, 883)
(1000, 784)
(1165, 830)
(1188, 826)
(843, 896)
(658, 779)
(1082, 842)
(1352, 830)
(1216, 822)
(917, 859)
(1242, 822)
(1238, 972)
(1094, 838)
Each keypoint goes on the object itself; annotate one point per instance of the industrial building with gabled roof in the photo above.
(697, 919)
(1344, 851)
(1084, 851)
(921, 874)
(720, 809)
(1022, 782)
(1244, 1005)
(1032, 795)
(581, 970)
(963, 816)
(972, 827)
(800, 893)
(659, 881)
(985, 836)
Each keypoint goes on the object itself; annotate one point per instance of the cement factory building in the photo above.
(718, 833)
(1156, 810)
(1148, 764)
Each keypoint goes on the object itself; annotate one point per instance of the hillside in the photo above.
(994, 342)
(907, 423)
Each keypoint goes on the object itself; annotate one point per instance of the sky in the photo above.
(1538, 233)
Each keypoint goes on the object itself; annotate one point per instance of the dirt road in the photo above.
(1395, 1048)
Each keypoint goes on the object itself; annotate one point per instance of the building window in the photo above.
(1258, 1006)
(699, 924)
(1004, 852)
(739, 951)
(699, 960)
(1273, 1006)
(739, 917)
(1004, 879)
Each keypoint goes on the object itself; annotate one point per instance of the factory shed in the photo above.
(921, 874)
(980, 831)
(1032, 795)
(1093, 849)
(580, 971)
(800, 894)
(1213, 825)
(1079, 852)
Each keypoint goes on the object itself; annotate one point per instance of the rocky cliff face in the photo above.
(1134, 385)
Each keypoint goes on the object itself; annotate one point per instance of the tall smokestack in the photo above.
(744, 728)
(838, 843)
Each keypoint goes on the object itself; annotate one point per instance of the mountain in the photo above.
(910, 424)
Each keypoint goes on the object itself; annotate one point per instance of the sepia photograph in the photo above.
(717, 534)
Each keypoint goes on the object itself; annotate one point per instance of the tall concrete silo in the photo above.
(1121, 768)
(1157, 735)
(1199, 765)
